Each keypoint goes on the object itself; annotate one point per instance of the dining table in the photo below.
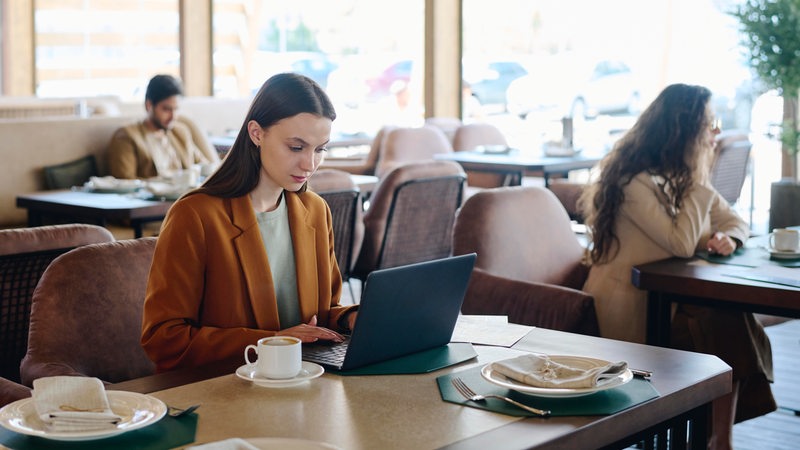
(752, 279)
(134, 208)
(514, 164)
(420, 410)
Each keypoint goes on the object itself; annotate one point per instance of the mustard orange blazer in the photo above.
(210, 291)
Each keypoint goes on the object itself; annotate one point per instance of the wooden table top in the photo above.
(406, 411)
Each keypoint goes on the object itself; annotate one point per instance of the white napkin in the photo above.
(541, 371)
(227, 444)
(73, 404)
(109, 182)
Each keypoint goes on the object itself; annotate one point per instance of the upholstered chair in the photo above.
(24, 255)
(365, 166)
(410, 144)
(472, 136)
(529, 261)
(344, 199)
(411, 213)
(86, 317)
(11, 391)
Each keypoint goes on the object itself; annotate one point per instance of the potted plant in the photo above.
(772, 43)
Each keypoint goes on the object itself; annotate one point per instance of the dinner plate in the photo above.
(582, 362)
(308, 371)
(136, 410)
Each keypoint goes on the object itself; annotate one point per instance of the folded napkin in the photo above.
(227, 444)
(73, 404)
(541, 371)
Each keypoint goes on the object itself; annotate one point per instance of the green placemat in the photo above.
(748, 257)
(168, 432)
(421, 362)
(600, 403)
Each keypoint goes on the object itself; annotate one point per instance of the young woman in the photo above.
(653, 200)
(250, 253)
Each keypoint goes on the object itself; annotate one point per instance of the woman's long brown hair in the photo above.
(663, 142)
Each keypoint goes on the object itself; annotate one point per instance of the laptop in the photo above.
(403, 310)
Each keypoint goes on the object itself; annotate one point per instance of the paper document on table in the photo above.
(488, 330)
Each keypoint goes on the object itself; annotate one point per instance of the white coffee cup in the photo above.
(279, 357)
(785, 240)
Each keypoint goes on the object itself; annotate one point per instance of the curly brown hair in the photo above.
(665, 142)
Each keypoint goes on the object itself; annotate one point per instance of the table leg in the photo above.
(658, 319)
(34, 218)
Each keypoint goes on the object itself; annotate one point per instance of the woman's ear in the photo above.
(255, 132)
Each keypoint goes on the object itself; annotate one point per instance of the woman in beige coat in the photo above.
(652, 201)
(250, 253)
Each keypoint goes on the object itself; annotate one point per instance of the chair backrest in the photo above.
(410, 144)
(521, 233)
(730, 169)
(11, 391)
(86, 317)
(24, 255)
(72, 173)
(344, 199)
(448, 125)
(410, 217)
(471, 136)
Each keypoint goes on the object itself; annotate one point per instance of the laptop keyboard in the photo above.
(326, 353)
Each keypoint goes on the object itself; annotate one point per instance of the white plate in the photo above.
(575, 361)
(136, 410)
(308, 371)
(780, 254)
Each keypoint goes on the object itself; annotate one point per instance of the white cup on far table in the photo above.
(279, 357)
(785, 240)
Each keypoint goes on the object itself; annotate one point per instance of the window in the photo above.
(100, 47)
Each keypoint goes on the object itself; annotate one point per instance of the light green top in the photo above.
(277, 237)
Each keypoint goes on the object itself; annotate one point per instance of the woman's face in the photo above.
(711, 128)
(291, 149)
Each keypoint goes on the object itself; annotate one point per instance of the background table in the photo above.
(65, 205)
(698, 282)
(514, 165)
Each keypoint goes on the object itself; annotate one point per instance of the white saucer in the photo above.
(136, 410)
(781, 254)
(308, 371)
(576, 361)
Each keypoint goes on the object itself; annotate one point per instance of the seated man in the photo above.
(159, 145)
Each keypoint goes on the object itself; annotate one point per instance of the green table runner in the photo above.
(421, 362)
(605, 402)
(748, 257)
(168, 432)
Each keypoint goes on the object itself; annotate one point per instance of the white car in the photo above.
(564, 86)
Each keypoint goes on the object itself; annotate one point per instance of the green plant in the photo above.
(771, 39)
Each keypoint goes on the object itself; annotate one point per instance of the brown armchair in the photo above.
(86, 317)
(24, 255)
(410, 144)
(473, 135)
(11, 391)
(344, 199)
(529, 261)
(410, 218)
(365, 166)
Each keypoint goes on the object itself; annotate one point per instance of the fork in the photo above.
(471, 395)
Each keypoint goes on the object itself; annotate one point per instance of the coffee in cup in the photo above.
(279, 357)
(785, 240)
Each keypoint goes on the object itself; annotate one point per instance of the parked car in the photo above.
(567, 86)
(396, 74)
(489, 81)
(314, 65)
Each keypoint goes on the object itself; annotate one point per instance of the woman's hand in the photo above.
(310, 332)
(721, 244)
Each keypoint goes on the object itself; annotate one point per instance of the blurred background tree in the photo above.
(771, 39)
